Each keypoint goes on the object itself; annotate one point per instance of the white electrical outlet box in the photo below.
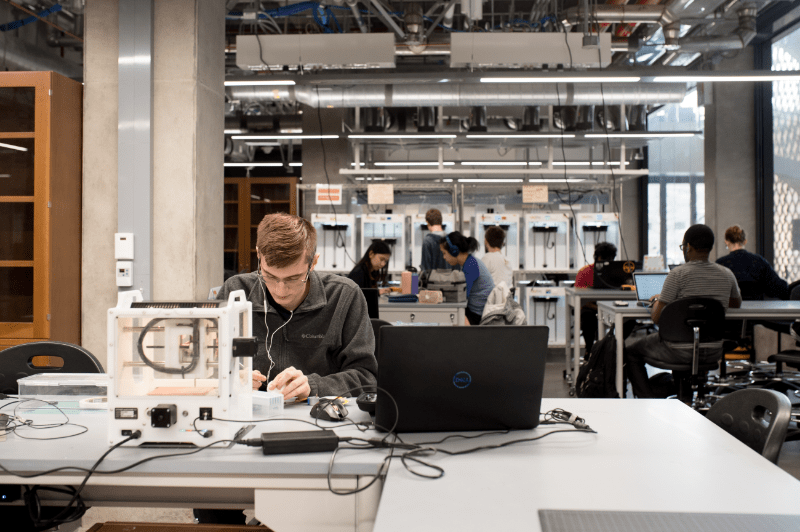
(123, 246)
(124, 273)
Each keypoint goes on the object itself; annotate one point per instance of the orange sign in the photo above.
(329, 194)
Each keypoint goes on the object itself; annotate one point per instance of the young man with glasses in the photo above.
(315, 338)
(696, 278)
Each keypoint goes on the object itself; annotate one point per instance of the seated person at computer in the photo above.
(603, 252)
(458, 250)
(696, 278)
(494, 239)
(320, 338)
(753, 273)
(431, 255)
(370, 271)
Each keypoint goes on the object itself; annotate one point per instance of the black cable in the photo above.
(195, 347)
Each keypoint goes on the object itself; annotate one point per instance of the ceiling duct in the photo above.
(585, 118)
(530, 118)
(19, 55)
(477, 119)
(637, 117)
(467, 94)
(374, 119)
(426, 119)
(740, 38)
(564, 117)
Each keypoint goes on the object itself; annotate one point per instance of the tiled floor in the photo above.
(554, 386)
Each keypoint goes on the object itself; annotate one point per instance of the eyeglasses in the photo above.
(288, 283)
(681, 247)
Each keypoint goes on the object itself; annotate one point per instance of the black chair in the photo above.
(758, 418)
(34, 358)
(691, 323)
(376, 329)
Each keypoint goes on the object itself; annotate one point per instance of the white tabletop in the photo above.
(599, 293)
(388, 305)
(648, 455)
(749, 309)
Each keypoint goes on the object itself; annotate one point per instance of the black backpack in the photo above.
(596, 378)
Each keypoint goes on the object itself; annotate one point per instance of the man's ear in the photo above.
(314, 262)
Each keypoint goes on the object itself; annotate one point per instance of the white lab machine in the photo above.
(174, 368)
(510, 224)
(547, 306)
(593, 228)
(546, 241)
(391, 228)
(336, 241)
(419, 230)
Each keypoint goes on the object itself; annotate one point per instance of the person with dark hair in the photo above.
(458, 250)
(431, 256)
(494, 238)
(754, 274)
(370, 271)
(603, 252)
(696, 278)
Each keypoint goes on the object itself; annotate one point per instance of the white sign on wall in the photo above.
(329, 194)
(380, 194)
(534, 194)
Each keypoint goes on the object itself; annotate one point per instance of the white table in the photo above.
(648, 455)
(574, 298)
(442, 313)
(608, 313)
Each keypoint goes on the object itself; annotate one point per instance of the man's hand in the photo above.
(291, 383)
(258, 379)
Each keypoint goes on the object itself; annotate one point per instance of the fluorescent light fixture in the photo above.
(494, 163)
(565, 79)
(518, 136)
(556, 180)
(5, 176)
(13, 147)
(374, 179)
(490, 180)
(744, 77)
(395, 163)
(447, 180)
(417, 136)
(263, 143)
(284, 137)
(254, 164)
(586, 163)
(267, 82)
(359, 164)
(235, 131)
(649, 134)
(295, 164)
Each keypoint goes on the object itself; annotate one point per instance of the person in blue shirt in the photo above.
(753, 273)
(457, 251)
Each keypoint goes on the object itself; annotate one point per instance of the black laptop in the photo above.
(461, 378)
(613, 274)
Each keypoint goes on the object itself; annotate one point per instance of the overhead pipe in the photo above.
(468, 94)
(720, 43)
(19, 55)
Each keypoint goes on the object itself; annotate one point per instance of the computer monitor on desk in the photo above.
(613, 273)
(461, 378)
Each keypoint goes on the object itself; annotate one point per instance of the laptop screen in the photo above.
(456, 378)
(648, 284)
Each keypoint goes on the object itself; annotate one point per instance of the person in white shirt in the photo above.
(495, 261)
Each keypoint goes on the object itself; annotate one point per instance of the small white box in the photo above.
(123, 246)
(124, 273)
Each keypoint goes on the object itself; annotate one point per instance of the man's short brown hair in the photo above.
(433, 217)
(283, 239)
(495, 236)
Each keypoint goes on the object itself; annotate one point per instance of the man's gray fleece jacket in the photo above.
(329, 338)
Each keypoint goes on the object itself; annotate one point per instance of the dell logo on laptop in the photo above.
(462, 379)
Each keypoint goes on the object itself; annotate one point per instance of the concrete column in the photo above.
(337, 153)
(187, 156)
(189, 71)
(730, 171)
(100, 118)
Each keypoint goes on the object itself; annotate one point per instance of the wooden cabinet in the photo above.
(247, 201)
(40, 207)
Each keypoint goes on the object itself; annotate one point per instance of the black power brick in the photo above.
(313, 441)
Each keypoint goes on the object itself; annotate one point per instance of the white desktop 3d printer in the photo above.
(175, 367)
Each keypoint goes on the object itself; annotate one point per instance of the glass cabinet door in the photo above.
(20, 281)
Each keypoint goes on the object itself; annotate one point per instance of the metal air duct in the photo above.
(468, 94)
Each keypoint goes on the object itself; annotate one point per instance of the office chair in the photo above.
(691, 323)
(756, 417)
(34, 358)
(376, 329)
